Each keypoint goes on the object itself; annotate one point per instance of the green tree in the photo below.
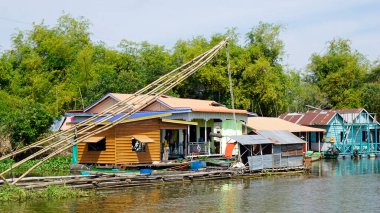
(371, 98)
(340, 74)
(265, 87)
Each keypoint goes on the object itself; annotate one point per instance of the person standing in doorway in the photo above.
(165, 157)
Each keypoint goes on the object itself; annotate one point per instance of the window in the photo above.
(202, 137)
(138, 146)
(99, 146)
(341, 136)
(364, 136)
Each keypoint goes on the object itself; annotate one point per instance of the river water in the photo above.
(332, 186)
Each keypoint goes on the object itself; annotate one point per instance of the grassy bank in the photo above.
(13, 193)
(53, 166)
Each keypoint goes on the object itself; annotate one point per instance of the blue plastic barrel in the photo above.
(146, 171)
(195, 165)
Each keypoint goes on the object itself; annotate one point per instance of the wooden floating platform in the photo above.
(115, 180)
(107, 180)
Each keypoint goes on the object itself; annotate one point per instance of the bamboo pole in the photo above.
(171, 82)
(104, 112)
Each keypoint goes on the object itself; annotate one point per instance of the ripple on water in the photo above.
(332, 186)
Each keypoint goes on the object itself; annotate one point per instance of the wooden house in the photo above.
(138, 139)
(214, 120)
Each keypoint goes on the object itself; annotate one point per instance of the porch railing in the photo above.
(198, 148)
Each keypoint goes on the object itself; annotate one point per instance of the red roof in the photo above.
(309, 118)
(291, 117)
(195, 105)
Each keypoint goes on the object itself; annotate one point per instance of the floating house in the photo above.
(274, 124)
(136, 139)
(361, 131)
(269, 149)
(346, 129)
(197, 127)
(214, 120)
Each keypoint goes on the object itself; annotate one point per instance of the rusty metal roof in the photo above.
(291, 117)
(309, 118)
(317, 117)
(347, 111)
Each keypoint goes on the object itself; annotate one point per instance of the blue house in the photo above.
(362, 131)
(329, 120)
(346, 129)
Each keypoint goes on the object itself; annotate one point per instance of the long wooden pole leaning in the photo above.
(173, 82)
(175, 77)
(101, 114)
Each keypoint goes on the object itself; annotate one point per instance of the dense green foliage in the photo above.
(52, 192)
(340, 75)
(52, 69)
(53, 166)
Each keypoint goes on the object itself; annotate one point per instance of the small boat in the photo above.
(331, 153)
(312, 156)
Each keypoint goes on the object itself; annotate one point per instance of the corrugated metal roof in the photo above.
(267, 123)
(195, 105)
(349, 115)
(323, 117)
(309, 118)
(250, 139)
(281, 137)
(345, 111)
(291, 117)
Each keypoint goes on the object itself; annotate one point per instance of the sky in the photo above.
(309, 25)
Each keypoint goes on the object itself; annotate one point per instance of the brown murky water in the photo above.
(332, 186)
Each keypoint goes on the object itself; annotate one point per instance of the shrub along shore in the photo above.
(14, 193)
(53, 166)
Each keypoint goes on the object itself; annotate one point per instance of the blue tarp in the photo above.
(114, 118)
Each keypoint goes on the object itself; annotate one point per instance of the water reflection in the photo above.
(332, 186)
(345, 167)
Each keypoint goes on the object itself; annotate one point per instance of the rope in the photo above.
(153, 92)
(230, 85)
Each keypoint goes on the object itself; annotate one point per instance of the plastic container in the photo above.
(146, 171)
(85, 173)
(195, 165)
